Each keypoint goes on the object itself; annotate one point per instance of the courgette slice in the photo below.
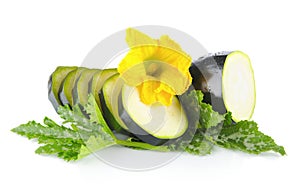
(81, 89)
(55, 82)
(65, 93)
(98, 80)
(227, 81)
(155, 123)
(109, 102)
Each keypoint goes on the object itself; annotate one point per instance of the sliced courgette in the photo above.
(151, 123)
(98, 80)
(122, 111)
(227, 81)
(81, 89)
(65, 93)
(109, 102)
(55, 82)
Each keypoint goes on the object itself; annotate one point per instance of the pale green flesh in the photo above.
(58, 77)
(98, 81)
(164, 122)
(82, 85)
(69, 84)
(238, 86)
(111, 90)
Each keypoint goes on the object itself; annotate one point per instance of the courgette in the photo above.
(81, 89)
(55, 81)
(65, 94)
(227, 81)
(109, 102)
(154, 124)
(99, 79)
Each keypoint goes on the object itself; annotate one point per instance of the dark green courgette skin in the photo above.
(109, 118)
(207, 77)
(51, 97)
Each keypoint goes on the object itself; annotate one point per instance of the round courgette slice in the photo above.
(98, 81)
(81, 89)
(65, 93)
(55, 82)
(109, 102)
(158, 120)
(227, 81)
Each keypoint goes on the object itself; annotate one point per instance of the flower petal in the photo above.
(136, 38)
(155, 91)
(166, 41)
(159, 68)
(146, 91)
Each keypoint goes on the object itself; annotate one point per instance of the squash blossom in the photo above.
(159, 68)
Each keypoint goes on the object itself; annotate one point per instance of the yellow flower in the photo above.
(159, 68)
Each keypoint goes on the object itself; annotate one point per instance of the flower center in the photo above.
(153, 68)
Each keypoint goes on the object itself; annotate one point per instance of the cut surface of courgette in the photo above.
(98, 80)
(81, 89)
(55, 82)
(65, 93)
(160, 121)
(227, 81)
(109, 101)
(238, 86)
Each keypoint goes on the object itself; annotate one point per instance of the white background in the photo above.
(36, 36)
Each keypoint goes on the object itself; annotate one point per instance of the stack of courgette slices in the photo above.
(226, 79)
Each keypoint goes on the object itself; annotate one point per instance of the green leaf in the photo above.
(57, 140)
(84, 127)
(95, 114)
(86, 135)
(208, 117)
(222, 131)
(35, 130)
(199, 145)
(246, 137)
(93, 130)
(94, 144)
(67, 152)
